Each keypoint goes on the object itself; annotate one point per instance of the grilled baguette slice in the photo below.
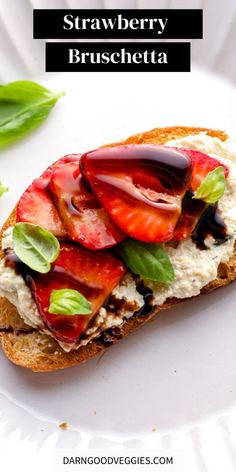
(31, 349)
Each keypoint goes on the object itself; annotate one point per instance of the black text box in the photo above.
(58, 56)
(181, 24)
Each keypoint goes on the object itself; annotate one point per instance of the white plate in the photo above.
(174, 380)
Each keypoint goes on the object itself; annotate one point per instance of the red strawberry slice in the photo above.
(36, 206)
(202, 165)
(193, 209)
(140, 186)
(94, 275)
(81, 213)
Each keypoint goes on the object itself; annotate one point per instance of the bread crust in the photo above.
(40, 352)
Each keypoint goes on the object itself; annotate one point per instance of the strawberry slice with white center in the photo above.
(193, 209)
(36, 206)
(140, 186)
(83, 216)
(94, 275)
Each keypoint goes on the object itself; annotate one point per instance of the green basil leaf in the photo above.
(3, 189)
(212, 187)
(69, 302)
(23, 106)
(35, 246)
(150, 261)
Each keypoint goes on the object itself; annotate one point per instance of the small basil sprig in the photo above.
(148, 260)
(212, 187)
(23, 106)
(67, 301)
(35, 246)
(3, 189)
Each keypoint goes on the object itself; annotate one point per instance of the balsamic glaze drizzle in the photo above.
(212, 224)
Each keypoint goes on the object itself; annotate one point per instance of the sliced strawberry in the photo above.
(36, 206)
(82, 214)
(92, 274)
(202, 165)
(193, 209)
(140, 186)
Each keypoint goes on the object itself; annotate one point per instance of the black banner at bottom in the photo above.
(118, 57)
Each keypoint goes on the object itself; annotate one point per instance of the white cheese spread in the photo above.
(194, 268)
(209, 145)
(14, 288)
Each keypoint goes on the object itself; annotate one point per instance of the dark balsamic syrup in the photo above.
(108, 337)
(212, 224)
(191, 212)
(146, 292)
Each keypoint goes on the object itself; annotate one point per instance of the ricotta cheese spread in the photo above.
(194, 268)
(14, 288)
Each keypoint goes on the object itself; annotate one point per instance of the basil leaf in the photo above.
(212, 187)
(35, 246)
(69, 302)
(150, 261)
(23, 106)
(3, 189)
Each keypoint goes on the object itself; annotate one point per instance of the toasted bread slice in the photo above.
(29, 348)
